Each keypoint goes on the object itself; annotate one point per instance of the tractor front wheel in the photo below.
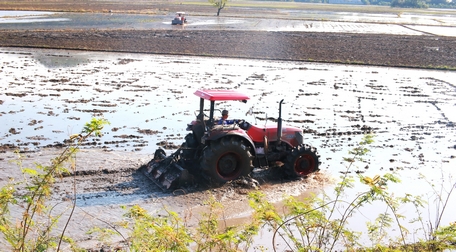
(302, 161)
(226, 159)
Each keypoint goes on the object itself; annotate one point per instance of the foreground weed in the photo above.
(31, 231)
(170, 233)
(321, 223)
(211, 236)
(162, 233)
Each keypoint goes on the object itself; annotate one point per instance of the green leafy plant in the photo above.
(170, 233)
(162, 233)
(31, 231)
(322, 223)
(211, 236)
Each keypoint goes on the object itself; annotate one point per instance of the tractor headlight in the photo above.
(299, 137)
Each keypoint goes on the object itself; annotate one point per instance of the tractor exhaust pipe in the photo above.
(279, 124)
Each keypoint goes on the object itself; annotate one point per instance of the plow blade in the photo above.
(166, 171)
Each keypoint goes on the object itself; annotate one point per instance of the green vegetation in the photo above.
(392, 3)
(31, 230)
(318, 223)
(169, 233)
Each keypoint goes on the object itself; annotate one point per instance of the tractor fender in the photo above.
(292, 137)
(215, 135)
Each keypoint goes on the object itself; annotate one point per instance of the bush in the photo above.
(32, 232)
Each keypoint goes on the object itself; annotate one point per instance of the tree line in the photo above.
(395, 3)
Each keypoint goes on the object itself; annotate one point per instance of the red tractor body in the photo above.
(257, 134)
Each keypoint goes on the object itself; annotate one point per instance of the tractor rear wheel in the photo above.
(302, 161)
(226, 159)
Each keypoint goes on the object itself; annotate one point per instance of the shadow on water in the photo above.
(61, 61)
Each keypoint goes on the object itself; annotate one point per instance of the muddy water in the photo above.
(48, 94)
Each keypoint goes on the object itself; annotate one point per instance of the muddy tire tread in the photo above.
(213, 152)
(296, 152)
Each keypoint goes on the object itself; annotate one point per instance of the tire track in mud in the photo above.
(417, 30)
(107, 187)
(127, 186)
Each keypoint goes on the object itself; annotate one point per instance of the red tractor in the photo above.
(179, 19)
(227, 152)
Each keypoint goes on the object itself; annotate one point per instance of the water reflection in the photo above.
(15, 17)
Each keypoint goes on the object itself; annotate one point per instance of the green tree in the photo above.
(220, 4)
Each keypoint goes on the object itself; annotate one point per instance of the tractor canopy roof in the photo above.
(221, 95)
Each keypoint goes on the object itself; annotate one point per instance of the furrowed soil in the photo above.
(380, 50)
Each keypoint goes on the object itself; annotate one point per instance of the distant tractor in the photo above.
(227, 152)
(180, 19)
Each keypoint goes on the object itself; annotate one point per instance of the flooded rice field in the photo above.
(302, 21)
(46, 95)
(49, 94)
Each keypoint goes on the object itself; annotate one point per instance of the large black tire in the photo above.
(226, 159)
(302, 161)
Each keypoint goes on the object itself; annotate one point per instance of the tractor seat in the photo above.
(225, 127)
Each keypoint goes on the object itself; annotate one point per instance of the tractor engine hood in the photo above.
(291, 135)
